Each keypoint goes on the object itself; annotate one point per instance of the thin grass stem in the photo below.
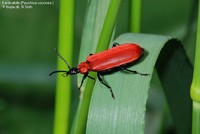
(135, 16)
(63, 88)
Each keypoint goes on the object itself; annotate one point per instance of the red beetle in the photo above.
(116, 57)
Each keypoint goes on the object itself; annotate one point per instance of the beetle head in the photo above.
(71, 71)
(83, 67)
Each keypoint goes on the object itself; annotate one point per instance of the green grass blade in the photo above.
(195, 87)
(126, 113)
(108, 26)
(96, 13)
(135, 16)
(91, 37)
(63, 88)
(196, 118)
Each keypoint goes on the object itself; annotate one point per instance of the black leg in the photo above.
(115, 44)
(91, 77)
(101, 80)
(133, 71)
(84, 77)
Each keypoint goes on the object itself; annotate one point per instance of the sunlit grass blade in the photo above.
(63, 88)
(196, 118)
(95, 16)
(195, 87)
(108, 26)
(103, 40)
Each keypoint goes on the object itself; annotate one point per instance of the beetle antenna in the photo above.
(59, 71)
(62, 59)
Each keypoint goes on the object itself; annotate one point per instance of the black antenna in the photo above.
(62, 59)
(59, 71)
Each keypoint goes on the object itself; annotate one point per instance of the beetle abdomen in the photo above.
(114, 57)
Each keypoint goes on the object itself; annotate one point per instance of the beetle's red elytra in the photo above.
(116, 57)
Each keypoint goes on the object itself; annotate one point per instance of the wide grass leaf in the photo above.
(126, 113)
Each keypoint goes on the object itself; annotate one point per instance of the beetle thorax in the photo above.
(83, 67)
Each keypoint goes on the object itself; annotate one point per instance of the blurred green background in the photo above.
(27, 40)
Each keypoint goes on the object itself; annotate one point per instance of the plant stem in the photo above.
(135, 18)
(63, 88)
(195, 87)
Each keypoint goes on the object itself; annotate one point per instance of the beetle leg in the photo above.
(115, 44)
(84, 77)
(91, 77)
(133, 71)
(103, 82)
